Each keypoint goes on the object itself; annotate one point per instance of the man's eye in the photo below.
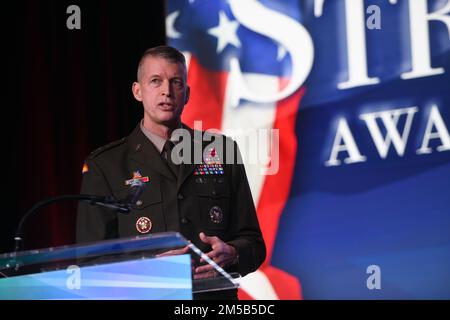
(155, 81)
(178, 83)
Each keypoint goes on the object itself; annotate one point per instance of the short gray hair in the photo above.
(165, 52)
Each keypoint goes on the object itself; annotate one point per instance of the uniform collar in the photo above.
(157, 141)
(146, 153)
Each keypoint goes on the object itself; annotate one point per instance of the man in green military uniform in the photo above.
(208, 201)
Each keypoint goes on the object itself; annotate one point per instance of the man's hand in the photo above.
(174, 252)
(222, 254)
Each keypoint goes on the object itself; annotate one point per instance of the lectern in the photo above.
(141, 267)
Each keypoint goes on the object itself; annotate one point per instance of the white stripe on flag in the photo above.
(258, 286)
(249, 117)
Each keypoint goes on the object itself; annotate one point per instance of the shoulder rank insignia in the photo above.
(107, 147)
(136, 176)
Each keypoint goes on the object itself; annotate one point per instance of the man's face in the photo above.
(162, 90)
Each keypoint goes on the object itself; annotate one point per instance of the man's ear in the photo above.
(136, 88)
(188, 94)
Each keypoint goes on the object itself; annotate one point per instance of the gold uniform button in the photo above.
(139, 203)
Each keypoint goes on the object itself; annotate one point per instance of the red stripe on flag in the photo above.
(274, 194)
(206, 104)
(275, 190)
(286, 286)
(207, 96)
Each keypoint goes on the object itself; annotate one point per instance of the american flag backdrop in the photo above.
(357, 205)
(211, 37)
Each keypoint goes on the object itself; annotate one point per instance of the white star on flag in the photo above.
(225, 32)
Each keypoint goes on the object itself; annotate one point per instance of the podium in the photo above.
(135, 268)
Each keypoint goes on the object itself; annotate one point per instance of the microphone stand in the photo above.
(108, 202)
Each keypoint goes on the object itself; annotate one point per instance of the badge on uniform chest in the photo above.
(216, 215)
(144, 225)
(136, 176)
(206, 169)
(211, 164)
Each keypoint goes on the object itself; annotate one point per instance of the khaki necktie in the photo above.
(167, 153)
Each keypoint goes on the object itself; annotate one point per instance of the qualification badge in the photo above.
(136, 176)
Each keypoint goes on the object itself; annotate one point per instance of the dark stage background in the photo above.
(68, 92)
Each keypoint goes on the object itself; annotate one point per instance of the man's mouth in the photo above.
(166, 105)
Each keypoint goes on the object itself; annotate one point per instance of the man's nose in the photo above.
(165, 88)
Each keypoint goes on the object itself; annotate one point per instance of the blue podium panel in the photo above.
(128, 268)
(143, 267)
(144, 279)
(113, 250)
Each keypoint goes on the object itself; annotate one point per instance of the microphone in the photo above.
(136, 189)
(122, 206)
(108, 202)
(125, 205)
